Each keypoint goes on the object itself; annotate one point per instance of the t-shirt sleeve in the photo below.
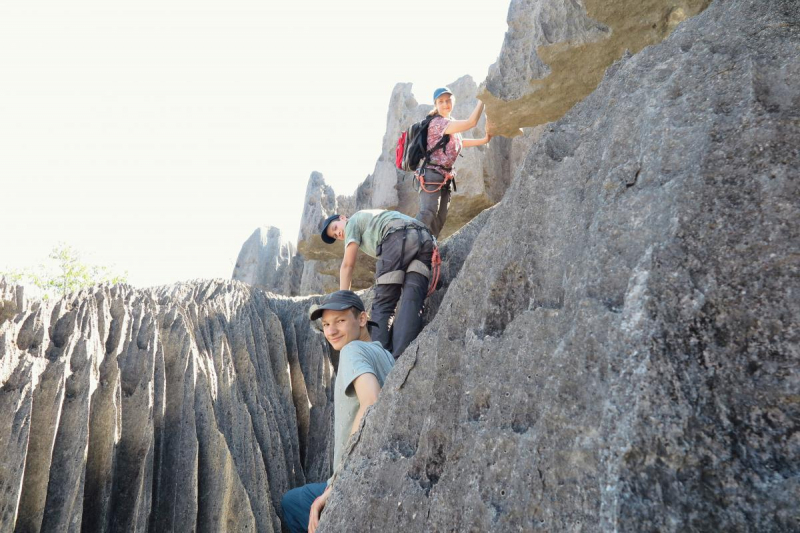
(353, 364)
(352, 232)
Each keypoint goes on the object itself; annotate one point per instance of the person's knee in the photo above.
(287, 501)
(415, 285)
(426, 214)
(386, 295)
(290, 507)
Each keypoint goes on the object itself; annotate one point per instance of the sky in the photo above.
(156, 136)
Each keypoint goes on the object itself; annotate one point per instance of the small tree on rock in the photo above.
(65, 273)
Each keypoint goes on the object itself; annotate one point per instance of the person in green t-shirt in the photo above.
(404, 248)
(363, 367)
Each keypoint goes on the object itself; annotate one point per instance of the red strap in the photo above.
(436, 268)
(447, 177)
(401, 147)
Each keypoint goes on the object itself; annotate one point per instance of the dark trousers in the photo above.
(396, 253)
(296, 505)
(433, 205)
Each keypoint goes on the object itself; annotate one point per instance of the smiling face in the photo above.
(444, 104)
(342, 327)
(336, 229)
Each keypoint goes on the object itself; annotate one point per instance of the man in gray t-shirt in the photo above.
(404, 249)
(363, 366)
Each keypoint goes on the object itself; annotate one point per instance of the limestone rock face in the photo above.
(268, 262)
(454, 251)
(556, 51)
(184, 408)
(386, 180)
(320, 270)
(320, 203)
(619, 351)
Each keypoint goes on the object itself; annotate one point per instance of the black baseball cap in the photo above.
(339, 301)
(327, 239)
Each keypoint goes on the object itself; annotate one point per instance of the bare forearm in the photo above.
(357, 419)
(476, 114)
(475, 142)
(346, 277)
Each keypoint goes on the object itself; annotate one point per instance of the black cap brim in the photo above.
(317, 310)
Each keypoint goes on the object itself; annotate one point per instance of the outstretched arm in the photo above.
(466, 143)
(348, 266)
(458, 126)
(479, 142)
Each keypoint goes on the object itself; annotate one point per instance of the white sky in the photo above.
(156, 136)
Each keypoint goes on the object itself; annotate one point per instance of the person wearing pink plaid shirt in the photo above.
(436, 175)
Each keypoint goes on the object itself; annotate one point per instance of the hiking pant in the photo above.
(296, 505)
(433, 205)
(402, 274)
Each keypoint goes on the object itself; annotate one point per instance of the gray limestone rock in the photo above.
(386, 183)
(320, 268)
(182, 408)
(320, 277)
(619, 351)
(268, 262)
(556, 52)
(320, 203)
(454, 251)
(532, 24)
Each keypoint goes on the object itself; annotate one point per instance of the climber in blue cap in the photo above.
(436, 176)
(440, 91)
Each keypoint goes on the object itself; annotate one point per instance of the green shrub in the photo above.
(65, 272)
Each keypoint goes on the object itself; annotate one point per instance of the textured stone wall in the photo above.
(268, 262)
(186, 408)
(556, 52)
(619, 350)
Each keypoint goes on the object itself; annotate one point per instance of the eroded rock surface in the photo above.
(185, 408)
(556, 51)
(619, 351)
(268, 262)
